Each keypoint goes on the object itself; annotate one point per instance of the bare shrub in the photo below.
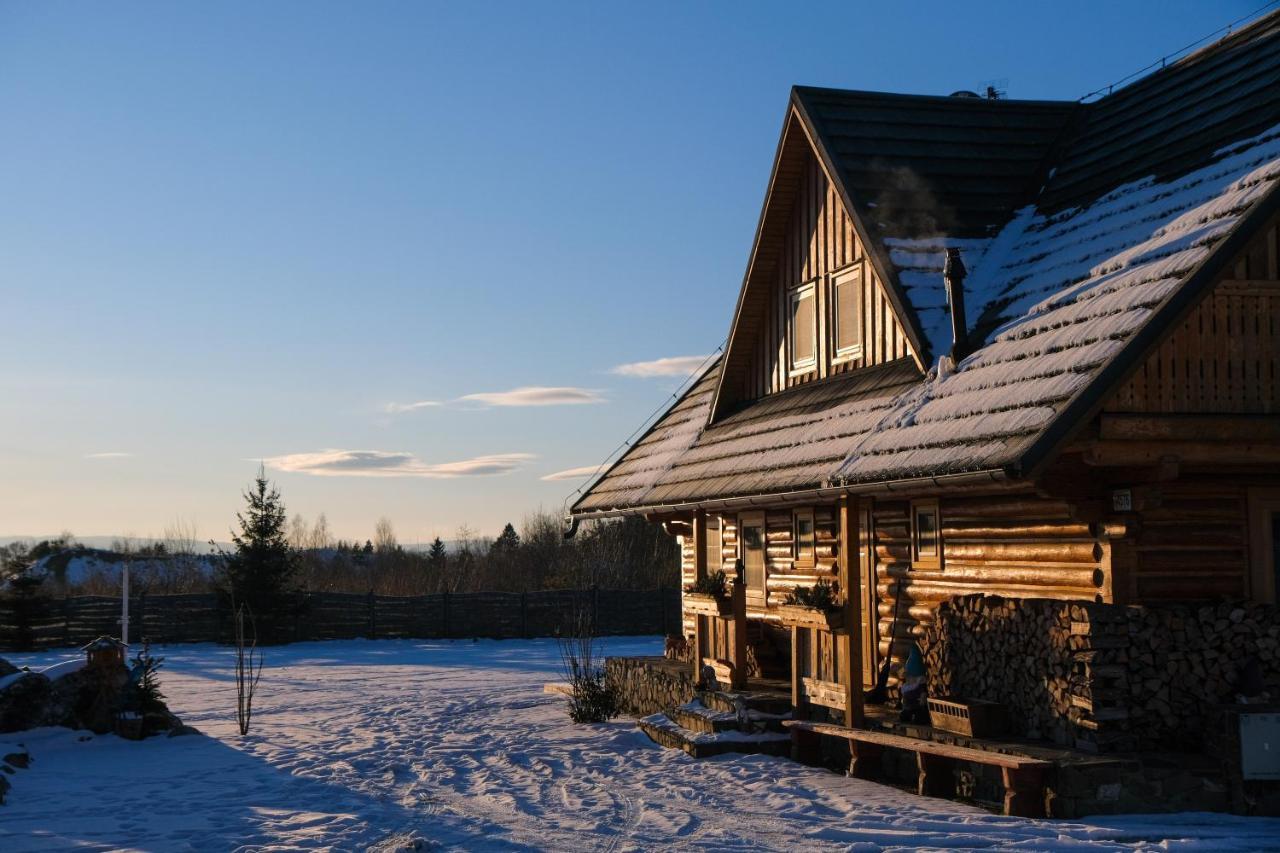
(248, 667)
(592, 700)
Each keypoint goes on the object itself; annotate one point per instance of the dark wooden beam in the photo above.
(1250, 428)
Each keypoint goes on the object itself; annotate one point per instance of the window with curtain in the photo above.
(802, 331)
(846, 294)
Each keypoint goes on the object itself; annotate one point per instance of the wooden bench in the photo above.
(1023, 777)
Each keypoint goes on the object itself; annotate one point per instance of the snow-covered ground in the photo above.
(359, 744)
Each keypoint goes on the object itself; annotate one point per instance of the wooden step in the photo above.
(768, 703)
(697, 717)
(664, 731)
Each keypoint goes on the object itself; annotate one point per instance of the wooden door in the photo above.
(751, 537)
(1264, 545)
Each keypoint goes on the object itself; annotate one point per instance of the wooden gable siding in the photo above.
(820, 240)
(1225, 355)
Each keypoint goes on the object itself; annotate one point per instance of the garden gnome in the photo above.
(914, 707)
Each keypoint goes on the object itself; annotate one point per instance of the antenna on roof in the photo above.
(995, 90)
(1164, 60)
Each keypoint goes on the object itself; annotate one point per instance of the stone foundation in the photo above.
(649, 685)
(1102, 677)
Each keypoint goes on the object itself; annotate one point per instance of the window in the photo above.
(846, 290)
(752, 531)
(802, 331)
(803, 538)
(711, 546)
(926, 535)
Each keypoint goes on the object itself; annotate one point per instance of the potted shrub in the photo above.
(709, 596)
(818, 606)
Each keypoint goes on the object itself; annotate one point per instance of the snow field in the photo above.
(360, 744)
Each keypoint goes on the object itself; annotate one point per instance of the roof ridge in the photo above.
(1197, 55)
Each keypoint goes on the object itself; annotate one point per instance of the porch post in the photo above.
(699, 536)
(849, 642)
(738, 634)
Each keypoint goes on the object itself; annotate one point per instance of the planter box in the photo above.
(973, 717)
(701, 604)
(796, 616)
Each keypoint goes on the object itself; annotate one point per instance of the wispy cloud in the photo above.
(536, 395)
(399, 408)
(572, 473)
(385, 463)
(679, 365)
(111, 454)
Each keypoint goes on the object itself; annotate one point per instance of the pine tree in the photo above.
(508, 540)
(437, 556)
(260, 572)
(146, 668)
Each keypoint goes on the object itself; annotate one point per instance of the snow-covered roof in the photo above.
(1059, 294)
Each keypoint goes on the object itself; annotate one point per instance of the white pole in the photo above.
(124, 615)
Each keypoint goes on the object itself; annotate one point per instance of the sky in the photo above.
(419, 259)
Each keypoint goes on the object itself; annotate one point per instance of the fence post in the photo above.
(524, 615)
(445, 608)
(373, 616)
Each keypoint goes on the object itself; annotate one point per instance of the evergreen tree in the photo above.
(260, 572)
(146, 668)
(437, 555)
(508, 540)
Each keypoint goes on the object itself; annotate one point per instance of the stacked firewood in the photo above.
(1098, 676)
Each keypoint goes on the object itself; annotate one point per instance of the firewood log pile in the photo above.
(1103, 677)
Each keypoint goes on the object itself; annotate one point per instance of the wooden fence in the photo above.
(43, 622)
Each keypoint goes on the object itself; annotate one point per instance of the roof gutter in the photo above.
(823, 493)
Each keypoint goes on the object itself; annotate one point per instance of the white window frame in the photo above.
(795, 366)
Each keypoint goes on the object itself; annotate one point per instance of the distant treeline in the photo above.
(623, 554)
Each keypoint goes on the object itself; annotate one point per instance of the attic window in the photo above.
(846, 291)
(802, 330)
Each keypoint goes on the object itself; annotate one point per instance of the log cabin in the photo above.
(1022, 350)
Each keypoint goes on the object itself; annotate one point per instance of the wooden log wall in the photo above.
(1189, 539)
(1016, 546)
(821, 240)
(1224, 357)
(1020, 546)
(202, 617)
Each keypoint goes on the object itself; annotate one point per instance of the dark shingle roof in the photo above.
(1151, 189)
(917, 165)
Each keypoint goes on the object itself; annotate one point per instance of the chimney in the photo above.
(953, 273)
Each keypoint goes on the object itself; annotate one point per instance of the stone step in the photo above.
(697, 717)
(664, 731)
(724, 700)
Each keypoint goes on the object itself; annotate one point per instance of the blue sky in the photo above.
(243, 231)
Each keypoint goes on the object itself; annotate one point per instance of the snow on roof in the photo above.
(1054, 296)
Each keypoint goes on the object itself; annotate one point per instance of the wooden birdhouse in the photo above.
(106, 652)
